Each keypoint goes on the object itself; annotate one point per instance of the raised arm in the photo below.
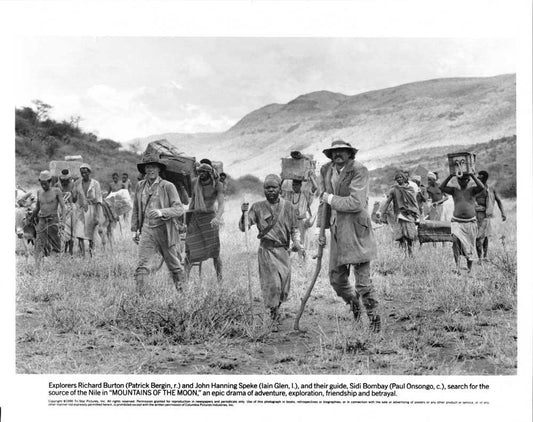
(444, 185)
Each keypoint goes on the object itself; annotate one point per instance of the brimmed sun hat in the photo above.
(44, 176)
(150, 159)
(338, 144)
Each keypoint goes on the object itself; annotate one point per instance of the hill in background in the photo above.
(382, 124)
(39, 140)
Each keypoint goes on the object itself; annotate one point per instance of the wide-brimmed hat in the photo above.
(338, 144)
(65, 175)
(150, 159)
(44, 176)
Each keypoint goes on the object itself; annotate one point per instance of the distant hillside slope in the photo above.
(498, 157)
(382, 123)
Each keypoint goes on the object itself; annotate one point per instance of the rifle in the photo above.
(318, 267)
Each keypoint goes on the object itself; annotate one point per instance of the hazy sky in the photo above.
(126, 87)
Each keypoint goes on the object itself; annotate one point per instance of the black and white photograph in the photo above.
(315, 215)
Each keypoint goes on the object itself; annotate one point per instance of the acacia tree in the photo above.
(42, 109)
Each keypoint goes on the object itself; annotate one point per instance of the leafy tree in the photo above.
(42, 110)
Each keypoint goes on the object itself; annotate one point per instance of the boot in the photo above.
(178, 278)
(139, 283)
(355, 308)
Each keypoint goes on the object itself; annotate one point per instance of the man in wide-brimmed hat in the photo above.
(91, 215)
(344, 197)
(49, 200)
(276, 222)
(204, 218)
(156, 207)
(73, 202)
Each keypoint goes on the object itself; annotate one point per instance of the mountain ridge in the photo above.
(381, 123)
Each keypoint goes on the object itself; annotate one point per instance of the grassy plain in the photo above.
(83, 316)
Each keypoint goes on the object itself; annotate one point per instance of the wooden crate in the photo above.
(434, 231)
(72, 166)
(462, 163)
(295, 169)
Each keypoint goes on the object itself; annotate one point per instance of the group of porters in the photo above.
(159, 218)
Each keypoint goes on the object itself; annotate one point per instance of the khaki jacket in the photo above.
(352, 227)
(171, 208)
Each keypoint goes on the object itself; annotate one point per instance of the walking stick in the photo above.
(248, 259)
(318, 267)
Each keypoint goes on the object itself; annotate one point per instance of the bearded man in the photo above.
(156, 207)
(344, 197)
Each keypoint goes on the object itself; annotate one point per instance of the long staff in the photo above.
(248, 259)
(318, 267)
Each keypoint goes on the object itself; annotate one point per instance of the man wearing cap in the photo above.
(49, 199)
(91, 216)
(436, 196)
(344, 197)
(276, 222)
(72, 201)
(156, 207)
(204, 218)
(406, 212)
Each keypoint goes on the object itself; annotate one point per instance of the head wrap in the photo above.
(272, 178)
(205, 167)
(400, 174)
(417, 178)
(432, 175)
(86, 166)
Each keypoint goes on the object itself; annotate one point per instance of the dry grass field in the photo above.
(83, 316)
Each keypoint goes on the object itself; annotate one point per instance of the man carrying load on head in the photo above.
(464, 222)
(156, 207)
(204, 218)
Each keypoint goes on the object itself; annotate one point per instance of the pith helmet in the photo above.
(339, 144)
(150, 159)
